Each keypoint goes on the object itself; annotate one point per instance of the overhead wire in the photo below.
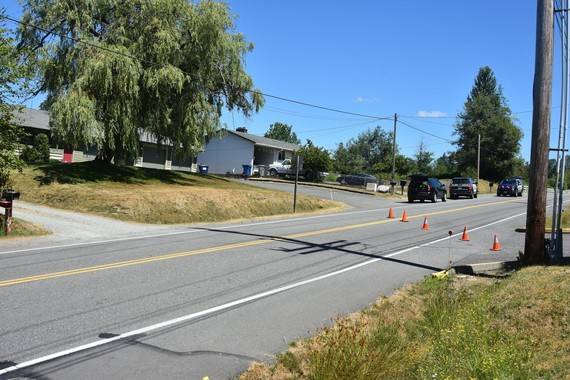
(424, 131)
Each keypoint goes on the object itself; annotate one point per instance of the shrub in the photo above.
(38, 152)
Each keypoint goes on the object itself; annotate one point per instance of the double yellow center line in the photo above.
(225, 247)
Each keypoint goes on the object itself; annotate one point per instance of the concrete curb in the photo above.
(482, 268)
(322, 185)
(546, 230)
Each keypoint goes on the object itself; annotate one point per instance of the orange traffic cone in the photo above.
(465, 236)
(404, 217)
(496, 245)
(391, 213)
(425, 226)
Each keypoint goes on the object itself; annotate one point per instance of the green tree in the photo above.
(404, 165)
(12, 74)
(370, 151)
(445, 166)
(423, 159)
(315, 160)
(341, 162)
(486, 113)
(39, 151)
(282, 132)
(164, 68)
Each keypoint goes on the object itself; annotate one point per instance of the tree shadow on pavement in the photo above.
(312, 248)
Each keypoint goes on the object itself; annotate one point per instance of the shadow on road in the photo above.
(338, 246)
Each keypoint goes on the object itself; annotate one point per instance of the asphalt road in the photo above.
(207, 301)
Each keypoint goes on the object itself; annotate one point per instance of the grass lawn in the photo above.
(565, 219)
(462, 328)
(151, 195)
(21, 228)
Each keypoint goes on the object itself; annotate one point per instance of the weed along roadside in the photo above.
(22, 228)
(153, 196)
(449, 328)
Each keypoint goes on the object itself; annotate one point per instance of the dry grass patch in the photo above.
(21, 228)
(153, 196)
(461, 328)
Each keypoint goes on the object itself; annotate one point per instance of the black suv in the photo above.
(423, 188)
(510, 187)
(462, 187)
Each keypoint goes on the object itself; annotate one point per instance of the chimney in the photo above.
(241, 129)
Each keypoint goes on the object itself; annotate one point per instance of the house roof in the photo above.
(27, 117)
(265, 141)
(39, 119)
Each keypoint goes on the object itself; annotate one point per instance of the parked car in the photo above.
(356, 179)
(423, 188)
(510, 187)
(462, 187)
(280, 168)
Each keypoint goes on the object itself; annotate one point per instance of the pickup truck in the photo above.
(280, 168)
(284, 168)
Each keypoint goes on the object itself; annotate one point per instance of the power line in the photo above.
(320, 107)
(428, 121)
(424, 132)
(362, 123)
(308, 116)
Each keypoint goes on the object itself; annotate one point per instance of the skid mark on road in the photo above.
(225, 247)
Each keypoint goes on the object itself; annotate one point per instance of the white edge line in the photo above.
(191, 231)
(225, 306)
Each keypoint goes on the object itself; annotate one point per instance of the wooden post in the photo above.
(534, 251)
(394, 153)
(296, 180)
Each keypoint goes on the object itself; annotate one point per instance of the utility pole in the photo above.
(478, 158)
(534, 251)
(296, 180)
(556, 239)
(394, 154)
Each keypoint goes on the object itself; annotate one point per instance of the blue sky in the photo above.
(380, 57)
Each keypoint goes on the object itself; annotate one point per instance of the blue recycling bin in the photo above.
(247, 170)
(203, 169)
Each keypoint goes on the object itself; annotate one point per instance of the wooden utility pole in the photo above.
(394, 154)
(534, 250)
(296, 180)
(478, 158)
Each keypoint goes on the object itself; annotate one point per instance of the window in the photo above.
(282, 155)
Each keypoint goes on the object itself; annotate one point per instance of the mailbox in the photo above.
(403, 183)
(10, 194)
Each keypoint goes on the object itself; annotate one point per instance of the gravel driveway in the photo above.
(70, 227)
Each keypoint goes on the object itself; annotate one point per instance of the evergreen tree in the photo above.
(424, 159)
(486, 113)
(282, 132)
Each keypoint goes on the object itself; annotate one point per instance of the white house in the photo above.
(153, 155)
(227, 154)
(222, 155)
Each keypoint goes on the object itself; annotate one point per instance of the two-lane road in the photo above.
(208, 300)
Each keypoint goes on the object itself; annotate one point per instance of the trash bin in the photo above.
(246, 170)
(262, 172)
(203, 169)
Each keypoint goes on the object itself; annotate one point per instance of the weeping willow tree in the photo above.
(116, 69)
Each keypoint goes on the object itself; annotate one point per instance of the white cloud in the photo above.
(362, 99)
(423, 113)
